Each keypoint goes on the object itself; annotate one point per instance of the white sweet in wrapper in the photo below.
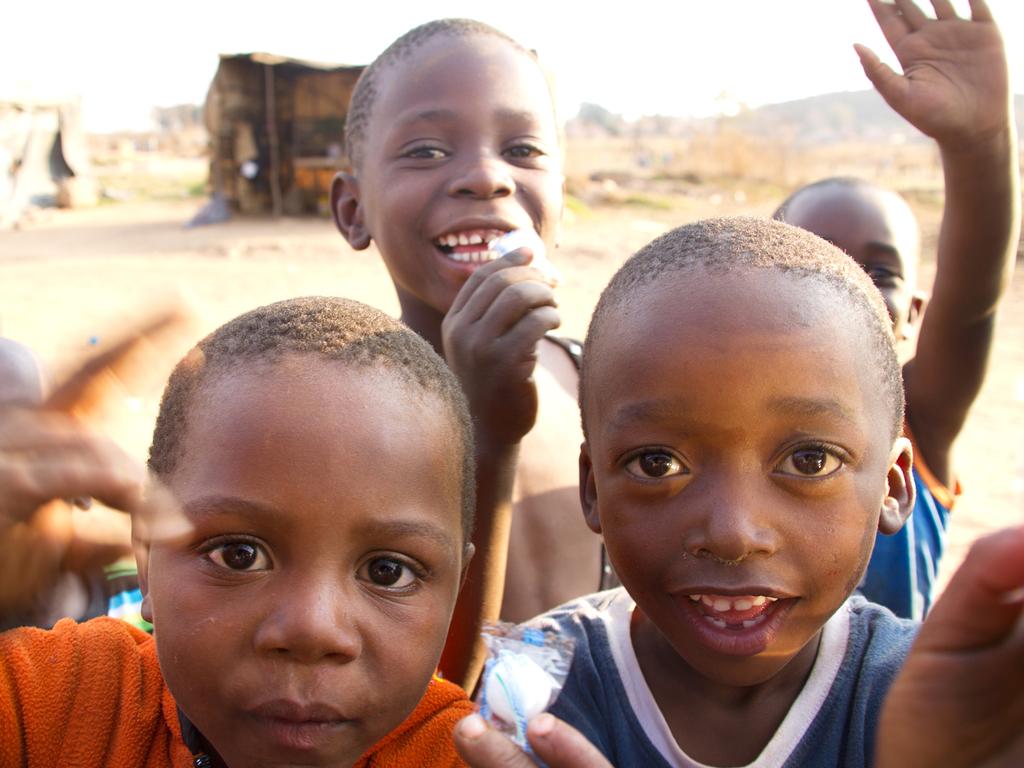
(518, 687)
(526, 238)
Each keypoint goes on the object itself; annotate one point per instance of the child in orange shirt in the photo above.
(322, 458)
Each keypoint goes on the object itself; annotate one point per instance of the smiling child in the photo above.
(454, 141)
(955, 89)
(743, 447)
(322, 457)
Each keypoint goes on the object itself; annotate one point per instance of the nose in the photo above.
(483, 175)
(311, 620)
(733, 520)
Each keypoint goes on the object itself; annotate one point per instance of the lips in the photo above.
(301, 727)
(735, 624)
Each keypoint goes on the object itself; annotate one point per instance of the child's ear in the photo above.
(915, 312)
(900, 493)
(141, 550)
(348, 213)
(588, 491)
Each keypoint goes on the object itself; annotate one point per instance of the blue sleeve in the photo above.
(903, 568)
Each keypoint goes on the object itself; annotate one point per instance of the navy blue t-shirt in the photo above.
(831, 723)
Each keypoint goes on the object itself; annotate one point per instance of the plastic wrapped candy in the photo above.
(526, 238)
(524, 674)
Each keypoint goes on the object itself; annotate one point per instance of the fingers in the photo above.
(557, 743)
(483, 747)
(117, 367)
(892, 23)
(912, 15)
(981, 12)
(982, 603)
(892, 87)
(944, 9)
(159, 515)
(487, 282)
(561, 746)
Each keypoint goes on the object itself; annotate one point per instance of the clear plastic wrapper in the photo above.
(524, 673)
(527, 238)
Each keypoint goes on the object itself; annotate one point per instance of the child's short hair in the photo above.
(365, 93)
(333, 329)
(742, 243)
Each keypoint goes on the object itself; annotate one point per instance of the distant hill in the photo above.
(825, 119)
(847, 116)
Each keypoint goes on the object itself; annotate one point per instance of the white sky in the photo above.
(631, 56)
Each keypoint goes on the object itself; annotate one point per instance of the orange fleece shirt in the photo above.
(92, 695)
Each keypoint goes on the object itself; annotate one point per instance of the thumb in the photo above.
(891, 86)
(483, 747)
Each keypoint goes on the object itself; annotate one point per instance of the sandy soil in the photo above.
(69, 282)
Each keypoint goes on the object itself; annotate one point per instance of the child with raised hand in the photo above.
(454, 141)
(743, 447)
(955, 89)
(300, 583)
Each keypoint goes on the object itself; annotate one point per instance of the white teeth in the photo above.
(720, 623)
(751, 622)
(722, 604)
(463, 240)
(475, 238)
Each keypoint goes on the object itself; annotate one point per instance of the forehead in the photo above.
(460, 73)
(851, 216)
(304, 432)
(737, 340)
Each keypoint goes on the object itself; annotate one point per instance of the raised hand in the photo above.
(490, 339)
(47, 456)
(959, 700)
(954, 86)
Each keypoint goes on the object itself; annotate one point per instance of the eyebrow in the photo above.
(648, 410)
(429, 116)
(213, 506)
(411, 529)
(810, 406)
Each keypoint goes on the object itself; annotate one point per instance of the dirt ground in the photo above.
(73, 280)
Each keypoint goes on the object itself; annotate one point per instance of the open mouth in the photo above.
(736, 625)
(470, 246)
(735, 613)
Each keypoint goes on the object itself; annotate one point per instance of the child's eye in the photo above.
(882, 276)
(524, 151)
(425, 153)
(239, 556)
(812, 461)
(390, 572)
(655, 463)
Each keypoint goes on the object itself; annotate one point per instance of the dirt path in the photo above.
(65, 283)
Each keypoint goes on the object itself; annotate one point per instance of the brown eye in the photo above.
(811, 462)
(655, 464)
(390, 572)
(240, 556)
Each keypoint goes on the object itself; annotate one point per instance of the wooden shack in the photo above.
(276, 128)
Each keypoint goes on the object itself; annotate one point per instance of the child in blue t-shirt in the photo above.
(743, 445)
(955, 90)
